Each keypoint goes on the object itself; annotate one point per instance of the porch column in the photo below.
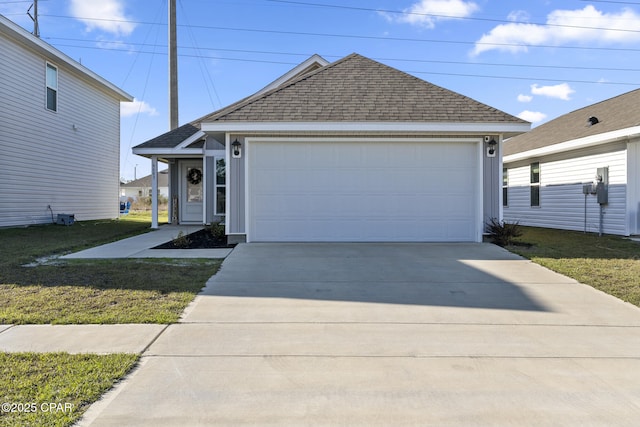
(154, 192)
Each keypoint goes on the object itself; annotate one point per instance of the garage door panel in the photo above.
(362, 191)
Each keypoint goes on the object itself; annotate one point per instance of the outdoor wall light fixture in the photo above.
(236, 149)
(491, 146)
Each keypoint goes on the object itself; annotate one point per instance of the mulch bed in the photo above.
(202, 239)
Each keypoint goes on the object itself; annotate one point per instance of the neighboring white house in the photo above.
(141, 187)
(353, 150)
(548, 170)
(59, 134)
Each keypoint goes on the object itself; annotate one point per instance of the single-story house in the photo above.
(59, 134)
(141, 187)
(553, 175)
(352, 150)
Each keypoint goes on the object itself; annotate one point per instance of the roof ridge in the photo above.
(251, 99)
(614, 114)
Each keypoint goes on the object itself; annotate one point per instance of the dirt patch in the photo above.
(202, 239)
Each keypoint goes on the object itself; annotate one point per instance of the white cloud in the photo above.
(564, 26)
(524, 98)
(518, 16)
(532, 116)
(105, 15)
(427, 12)
(136, 107)
(562, 91)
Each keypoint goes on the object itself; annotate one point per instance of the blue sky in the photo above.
(535, 59)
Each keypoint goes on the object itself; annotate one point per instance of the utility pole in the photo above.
(36, 27)
(173, 67)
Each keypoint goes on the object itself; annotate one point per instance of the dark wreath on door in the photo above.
(194, 184)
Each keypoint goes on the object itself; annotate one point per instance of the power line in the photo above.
(204, 71)
(429, 61)
(610, 1)
(436, 15)
(409, 72)
(364, 37)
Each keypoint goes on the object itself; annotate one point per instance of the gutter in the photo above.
(588, 141)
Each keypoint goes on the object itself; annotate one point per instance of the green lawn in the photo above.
(608, 263)
(92, 291)
(55, 389)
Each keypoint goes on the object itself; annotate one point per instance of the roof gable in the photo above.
(355, 89)
(620, 112)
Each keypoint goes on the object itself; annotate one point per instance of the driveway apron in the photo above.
(387, 334)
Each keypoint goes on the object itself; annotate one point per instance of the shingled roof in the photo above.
(613, 114)
(355, 89)
(352, 89)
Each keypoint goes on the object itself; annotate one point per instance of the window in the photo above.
(52, 88)
(505, 187)
(535, 184)
(221, 189)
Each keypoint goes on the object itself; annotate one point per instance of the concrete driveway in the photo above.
(388, 335)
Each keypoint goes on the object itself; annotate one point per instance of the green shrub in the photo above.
(217, 231)
(181, 240)
(503, 233)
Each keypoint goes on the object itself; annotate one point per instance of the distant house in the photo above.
(551, 174)
(141, 187)
(352, 150)
(59, 134)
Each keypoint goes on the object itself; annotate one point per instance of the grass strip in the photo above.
(102, 291)
(608, 263)
(55, 389)
(92, 291)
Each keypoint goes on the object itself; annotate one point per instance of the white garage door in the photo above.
(309, 191)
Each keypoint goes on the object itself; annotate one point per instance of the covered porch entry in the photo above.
(197, 181)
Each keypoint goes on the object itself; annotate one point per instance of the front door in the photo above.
(191, 183)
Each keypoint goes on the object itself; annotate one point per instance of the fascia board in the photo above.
(292, 73)
(20, 35)
(167, 152)
(193, 138)
(588, 141)
(488, 128)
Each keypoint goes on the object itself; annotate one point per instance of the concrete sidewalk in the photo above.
(97, 339)
(392, 334)
(140, 246)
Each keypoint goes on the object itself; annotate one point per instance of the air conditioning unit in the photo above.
(66, 219)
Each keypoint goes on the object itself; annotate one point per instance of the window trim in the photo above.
(505, 187)
(48, 66)
(534, 185)
(216, 159)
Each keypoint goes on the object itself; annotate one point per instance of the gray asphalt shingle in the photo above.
(352, 89)
(616, 113)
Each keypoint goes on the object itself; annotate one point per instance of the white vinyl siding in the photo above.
(561, 197)
(44, 160)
